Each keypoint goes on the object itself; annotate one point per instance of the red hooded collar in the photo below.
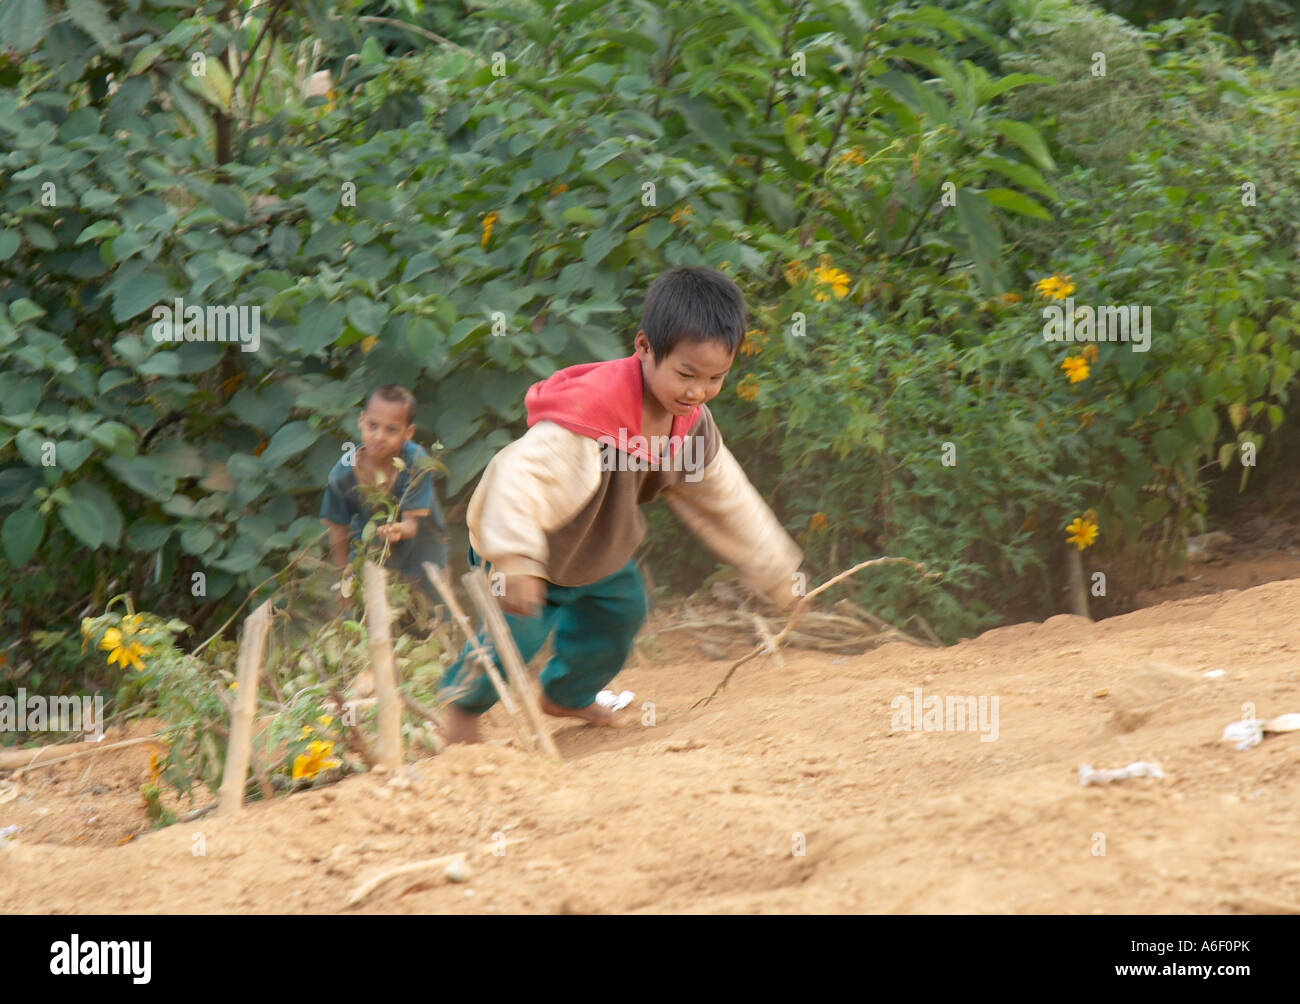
(598, 400)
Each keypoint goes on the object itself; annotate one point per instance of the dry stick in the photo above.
(252, 650)
(26, 759)
(799, 608)
(769, 643)
(389, 750)
(880, 624)
(355, 734)
(484, 659)
(929, 631)
(371, 884)
(477, 584)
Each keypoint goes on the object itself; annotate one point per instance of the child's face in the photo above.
(384, 428)
(690, 375)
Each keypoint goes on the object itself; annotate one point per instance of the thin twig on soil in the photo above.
(799, 609)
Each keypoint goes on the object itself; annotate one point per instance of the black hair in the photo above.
(693, 304)
(394, 394)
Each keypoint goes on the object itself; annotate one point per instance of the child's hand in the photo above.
(394, 531)
(524, 594)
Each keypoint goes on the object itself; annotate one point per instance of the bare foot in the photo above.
(460, 726)
(593, 713)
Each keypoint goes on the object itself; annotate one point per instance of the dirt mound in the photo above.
(823, 786)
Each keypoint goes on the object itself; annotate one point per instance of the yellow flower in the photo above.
(123, 655)
(1082, 532)
(557, 189)
(818, 523)
(155, 768)
(1055, 287)
(1076, 367)
(1009, 298)
(131, 623)
(837, 280)
(488, 222)
(1090, 353)
(754, 341)
(852, 156)
(748, 388)
(679, 215)
(795, 273)
(316, 759)
(234, 685)
(324, 721)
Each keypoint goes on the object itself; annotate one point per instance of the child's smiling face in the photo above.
(690, 375)
(384, 428)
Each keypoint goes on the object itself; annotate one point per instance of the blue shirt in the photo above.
(343, 504)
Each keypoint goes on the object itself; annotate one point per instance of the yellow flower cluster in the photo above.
(754, 341)
(838, 281)
(1055, 287)
(679, 215)
(318, 756)
(747, 389)
(118, 643)
(818, 523)
(489, 221)
(1076, 368)
(1083, 531)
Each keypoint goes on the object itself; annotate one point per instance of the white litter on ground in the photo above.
(1139, 769)
(614, 702)
(1249, 732)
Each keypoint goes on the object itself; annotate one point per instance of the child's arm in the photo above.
(725, 511)
(533, 486)
(338, 544)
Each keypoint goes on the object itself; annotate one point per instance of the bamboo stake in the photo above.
(388, 752)
(477, 584)
(252, 650)
(484, 659)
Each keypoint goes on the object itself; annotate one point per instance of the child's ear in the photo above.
(410, 431)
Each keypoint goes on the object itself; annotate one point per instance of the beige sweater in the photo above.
(547, 505)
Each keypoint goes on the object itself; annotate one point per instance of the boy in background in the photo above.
(387, 430)
(557, 512)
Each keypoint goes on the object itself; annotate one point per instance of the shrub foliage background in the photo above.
(502, 227)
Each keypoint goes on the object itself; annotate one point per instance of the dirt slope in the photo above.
(703, 811)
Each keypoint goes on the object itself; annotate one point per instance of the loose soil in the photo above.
(795, 790)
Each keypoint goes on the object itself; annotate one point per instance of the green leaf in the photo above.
(21, 535)
(290, 440)
(9, 242)
(365, 315)
(1022, 174)
(1017, 202)
(110, 516)
(147, 534)
(114, 436)
(598, 246)
(140, 293)
(70, 454)
(985, 245)
(1028, 139)
(24, 309)
(22, 24)
(81, 517)
(89, 16)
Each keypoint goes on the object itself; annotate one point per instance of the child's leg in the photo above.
(593, 636)
(475, 694)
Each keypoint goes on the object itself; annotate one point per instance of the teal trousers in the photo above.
(594, 629)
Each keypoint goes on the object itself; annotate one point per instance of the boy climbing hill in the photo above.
(557, 511)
